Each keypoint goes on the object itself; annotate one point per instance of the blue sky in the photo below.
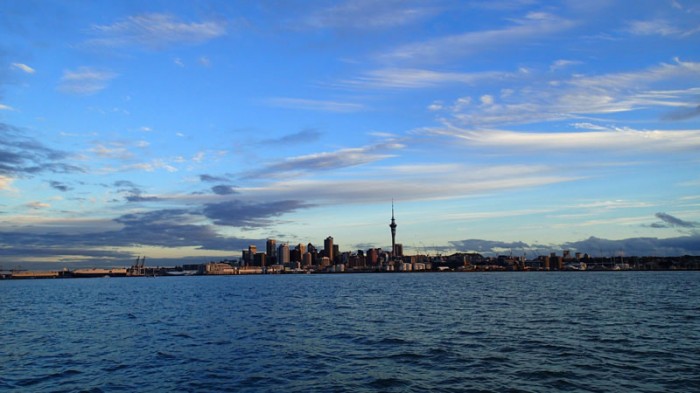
(189, 130)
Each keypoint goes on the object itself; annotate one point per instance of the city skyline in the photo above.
(190, 130)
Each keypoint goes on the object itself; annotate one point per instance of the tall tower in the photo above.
(393, 231)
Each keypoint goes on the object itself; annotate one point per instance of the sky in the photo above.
(185, 131)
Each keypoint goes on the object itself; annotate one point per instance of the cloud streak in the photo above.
(22, 156)
(250, 214)
(534, 25)
(634, 141)
(315, 105)
(541, 99)
(327, 161)
(85, 81)
(155, 31)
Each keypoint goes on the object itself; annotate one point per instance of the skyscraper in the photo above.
(283, 254)
(393, 231)
(271, 251)
(328, 247)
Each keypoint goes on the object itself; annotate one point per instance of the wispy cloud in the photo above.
(4, 107)
(669, 221)
(250, 214)
(533, 25)
(326, 161)
(413, 78)
(155, 31)
(21, 155)
(634, 141)
(85, 80)
(535, 101)
(440, 182)
(304, 136)
(367, 14)
(224, 189)
(23, 67)
(660, 27)
(315, 105)
(60, 186)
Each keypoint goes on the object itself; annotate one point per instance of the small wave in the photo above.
(388, 383)
(48, 378)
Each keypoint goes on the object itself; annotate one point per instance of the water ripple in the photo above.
(594, 332)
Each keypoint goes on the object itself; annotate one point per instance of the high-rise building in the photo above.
(398, 250)
(252, 250)
(271, 251)
(283, 253)
(393, 231)
(328, 247)
(302, 248)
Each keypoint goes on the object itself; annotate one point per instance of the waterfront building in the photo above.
(398, 250)
(283, 254)
(260, 259)
(307, 259)
(252, 250)
(372, 256)
(271, 249)
(328, 247)
(301, 247)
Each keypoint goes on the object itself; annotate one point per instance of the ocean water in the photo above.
(439, 332)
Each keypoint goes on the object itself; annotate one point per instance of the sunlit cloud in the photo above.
(23, 67)
(633, 141)
(6, 183)
(38, 205)
(584, 94)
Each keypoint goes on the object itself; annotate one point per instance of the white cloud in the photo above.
(659, 27)
(199, 157)
(4, 107)
(155, 31)
(444, 183)
(436, 106)
(178, 62)
(315, 105)
(368, 14)
(620, 140)
(439, 49)
(560, 64)
(37, 205)
(85, 80)
(149, 166)
(413, 78)
(23, 67)
(204, 61)
(115, 150)
(486, 99)
(561, 99)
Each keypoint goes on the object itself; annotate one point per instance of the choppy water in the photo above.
(625, 331)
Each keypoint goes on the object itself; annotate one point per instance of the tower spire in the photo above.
(393, 230)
